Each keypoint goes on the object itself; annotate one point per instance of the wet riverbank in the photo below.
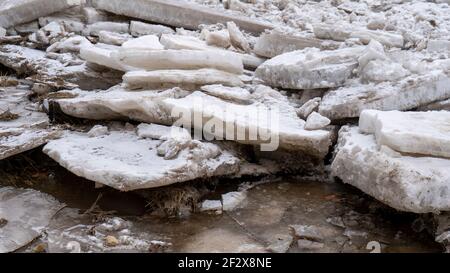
(279, 214)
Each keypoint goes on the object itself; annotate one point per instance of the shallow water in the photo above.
(346, 219)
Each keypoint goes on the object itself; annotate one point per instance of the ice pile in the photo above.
(400, 158)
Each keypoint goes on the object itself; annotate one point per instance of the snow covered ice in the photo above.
(122, 160)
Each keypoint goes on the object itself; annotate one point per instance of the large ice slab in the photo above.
(122, 160)
(406, 94)
(408, 183)
(18, 140)
(25, 213)
(271, 116)
(276, 43)
(22, 126)
(337, 33)
(310, 68)
(171, 41)
(425, 133)
(115, 104)
(187, 79)
(178, 14)
(180, 59)
(55, 69)
(102, 56)
(14, 12)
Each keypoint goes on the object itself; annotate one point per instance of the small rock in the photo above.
(218, 38)
(309, 245)
(3, 222)
(111, 241)
(40, 248)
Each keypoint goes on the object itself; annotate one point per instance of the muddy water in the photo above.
(346, 219)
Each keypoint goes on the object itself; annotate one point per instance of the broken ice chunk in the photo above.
(237, 94)
(270, 121)
(147, 42)
(21, 127)
(308, 107)
(91, 15)
(26, 213)
(101, 56)
(333, 32)
(16, 141)
(125, 162)
(211, 205)
(113, 38)
(237, 39)
(310, 68)
(98, 130)
(194, 43)
(180, 59)
(15, 12)
(275, 43)
(178, 14)
(409, 183)
(438, 105)
(408, 93)
(425, 133)
(95, 28)
(218, 38)
(316, 121)
(438, 45)
(116, 103)
(383, 70)
(188, 79)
